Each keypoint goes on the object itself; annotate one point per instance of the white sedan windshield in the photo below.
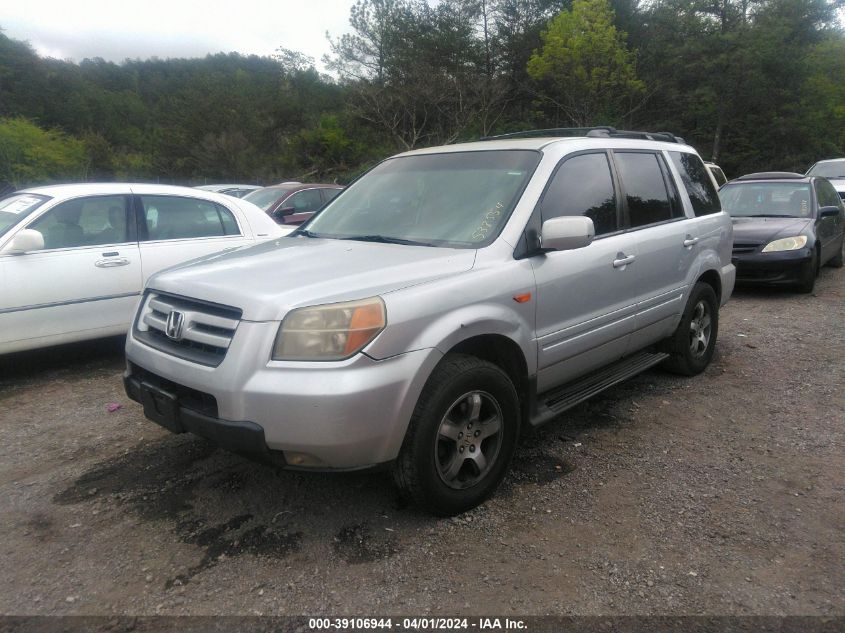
(16, 207)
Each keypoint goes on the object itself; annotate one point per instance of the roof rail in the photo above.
(772, 175)
(599, 131)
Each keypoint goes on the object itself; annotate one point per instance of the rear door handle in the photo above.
(111, 262)
(690, 241)
(624, 261)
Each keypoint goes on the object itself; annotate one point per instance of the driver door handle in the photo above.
(690, 241)
(111, 262)
(624, 261)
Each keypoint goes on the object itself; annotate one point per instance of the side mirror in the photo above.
(280, 213)
(828, 212)
(25, 241)
(566, 233)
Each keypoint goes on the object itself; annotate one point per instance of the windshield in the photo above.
(456, 199)
(767, 199)
(16, 207)
(265, 198)
(830, 169)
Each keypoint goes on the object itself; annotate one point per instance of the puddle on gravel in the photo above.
(358, 543)
(229, 540)
(158, 481)
(164, 466)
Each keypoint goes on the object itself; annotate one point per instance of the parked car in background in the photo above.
(786, 226)
(74, 258)
(448, 300)
(718, 175)
(238, 191)
(833, 170)
(293, 202)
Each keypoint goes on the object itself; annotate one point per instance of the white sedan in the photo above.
(74, 258)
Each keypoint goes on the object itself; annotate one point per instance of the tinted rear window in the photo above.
(702, 193)
(645, 189)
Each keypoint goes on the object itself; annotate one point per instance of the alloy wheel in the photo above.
(468, 440)
(700, 328)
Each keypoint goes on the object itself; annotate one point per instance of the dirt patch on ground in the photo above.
(721, 494)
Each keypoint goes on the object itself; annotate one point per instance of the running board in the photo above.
(552, 403)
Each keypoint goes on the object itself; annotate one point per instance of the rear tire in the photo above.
(461, 437)
(692, 345)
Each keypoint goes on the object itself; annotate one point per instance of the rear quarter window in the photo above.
(696, 180)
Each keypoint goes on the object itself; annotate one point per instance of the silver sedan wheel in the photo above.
(700, 328)
(468, 440)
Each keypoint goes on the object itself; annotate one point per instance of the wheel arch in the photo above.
(506, 354)
(714, 280)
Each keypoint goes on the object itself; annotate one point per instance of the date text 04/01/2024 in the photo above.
(416, 624)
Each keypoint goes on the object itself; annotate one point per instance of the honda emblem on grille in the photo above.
(175, 320)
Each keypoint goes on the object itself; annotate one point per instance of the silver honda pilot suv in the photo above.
(443, 303)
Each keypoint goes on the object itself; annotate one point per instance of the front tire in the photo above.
(809, 274)
(692, 345)
(839, 258)
(461, 437)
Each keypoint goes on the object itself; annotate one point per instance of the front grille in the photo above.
(206, 329)
(745, 247)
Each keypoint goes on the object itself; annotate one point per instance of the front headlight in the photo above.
(329, 332)
(786, 244)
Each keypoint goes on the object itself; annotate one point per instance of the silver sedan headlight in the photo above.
(329, 332)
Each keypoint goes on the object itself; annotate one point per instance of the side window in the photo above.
(230, 226)
(305, 201)
(175, 217)
(721, 179)
(827, 195)
(328, 194)
(583, 185)
(700, 188)
(645, 188)
(84, 222)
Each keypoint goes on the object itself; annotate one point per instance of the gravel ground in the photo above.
(720, 494)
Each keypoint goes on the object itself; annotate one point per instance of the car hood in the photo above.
(767, 229)
(268, 280)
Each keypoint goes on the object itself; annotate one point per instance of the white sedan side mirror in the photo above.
(25, 241)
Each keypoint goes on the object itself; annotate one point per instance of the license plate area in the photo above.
(162, 407)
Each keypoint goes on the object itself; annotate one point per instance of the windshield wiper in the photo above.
(384, 239)
(307, 233)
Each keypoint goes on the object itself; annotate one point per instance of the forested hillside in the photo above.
(752, 84)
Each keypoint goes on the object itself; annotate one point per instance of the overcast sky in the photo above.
(117, 29)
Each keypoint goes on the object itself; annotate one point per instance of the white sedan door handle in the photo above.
(111, 262)
(624, 261)
(690, 241)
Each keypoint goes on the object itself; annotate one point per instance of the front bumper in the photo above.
(786, 267)
(341, 415)
(162, 405)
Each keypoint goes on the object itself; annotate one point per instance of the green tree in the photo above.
(745, 80)
(30, 155)
(584, 69)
